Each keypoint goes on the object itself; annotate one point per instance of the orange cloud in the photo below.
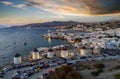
(78, 7)
(20, 21)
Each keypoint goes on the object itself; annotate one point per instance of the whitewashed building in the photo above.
(50, 53)
(64, 53)
(17, 59)
(36, 55)
(85, 51)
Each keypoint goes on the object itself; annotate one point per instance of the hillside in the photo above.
(47, 24)
(70, 25)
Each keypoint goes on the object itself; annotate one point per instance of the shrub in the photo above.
(117, 67)
(100, 70)
(99, 66)
(95, 73)
(65, 72)
(117, 76)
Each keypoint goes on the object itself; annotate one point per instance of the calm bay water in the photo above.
(12, 41)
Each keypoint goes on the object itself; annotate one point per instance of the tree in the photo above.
(117, 76)
(65, 72)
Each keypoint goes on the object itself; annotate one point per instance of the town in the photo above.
(88, 47)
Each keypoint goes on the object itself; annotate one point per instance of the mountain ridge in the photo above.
(63, 23)
(46, 24)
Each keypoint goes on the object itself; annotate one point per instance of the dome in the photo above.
(17, 55)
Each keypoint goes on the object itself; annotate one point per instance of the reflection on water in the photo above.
(49, 40)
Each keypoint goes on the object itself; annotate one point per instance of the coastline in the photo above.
(60, 55)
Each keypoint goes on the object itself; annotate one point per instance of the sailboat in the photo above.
(24, 43)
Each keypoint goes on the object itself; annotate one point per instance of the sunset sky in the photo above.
(19, 12)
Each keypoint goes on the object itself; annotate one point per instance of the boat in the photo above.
(25, 43)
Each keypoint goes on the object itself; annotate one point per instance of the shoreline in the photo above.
(71, 53)
(33, 37)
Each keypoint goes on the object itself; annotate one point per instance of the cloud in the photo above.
(20, 5)
(58, 17)
(13, 5)
(78, 7)
(19, 21)
(6, 2)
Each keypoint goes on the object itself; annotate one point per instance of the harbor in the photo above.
(13, 41)
(42, 61)
(60, 39)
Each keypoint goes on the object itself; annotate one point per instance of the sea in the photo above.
(23, 41)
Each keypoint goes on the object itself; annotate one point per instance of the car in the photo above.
(18, 72)
(22, 77)
(53, 64)
(40, 77)
(5, 69)
(47, 65)
(25, 75)
(69, 63)
(16, 76)
(1, 72)
(50, 71)
(45, 74)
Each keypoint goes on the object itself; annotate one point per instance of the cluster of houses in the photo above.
(86, 44)
(90, 27)
(109, 39)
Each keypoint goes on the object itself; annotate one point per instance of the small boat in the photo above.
(4, 57)
(25, 43)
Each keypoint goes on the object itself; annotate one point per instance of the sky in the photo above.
(20, 12)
